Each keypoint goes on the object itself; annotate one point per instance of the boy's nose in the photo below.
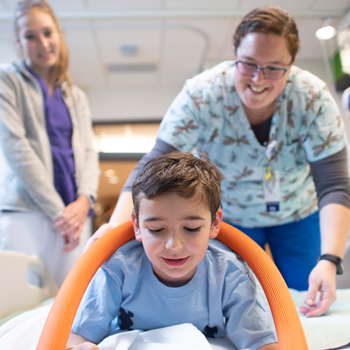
(174, 241)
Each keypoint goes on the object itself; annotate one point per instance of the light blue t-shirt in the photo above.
(208, 116)
(223, 297)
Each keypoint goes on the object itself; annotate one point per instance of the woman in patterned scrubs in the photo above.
(276, 134)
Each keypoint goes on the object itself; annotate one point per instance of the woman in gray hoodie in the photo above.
(50, 173)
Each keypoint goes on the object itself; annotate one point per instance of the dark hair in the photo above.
(60, 70)
(269, 20)
(183, 174)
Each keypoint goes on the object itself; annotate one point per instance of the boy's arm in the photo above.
(77, 342)
(272, 346)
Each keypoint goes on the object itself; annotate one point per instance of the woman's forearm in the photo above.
(335, 226)
(122, 210)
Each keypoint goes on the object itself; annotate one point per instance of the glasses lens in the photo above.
(246, 68)
(274, 72)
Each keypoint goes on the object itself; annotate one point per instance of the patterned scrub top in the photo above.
(208, 116)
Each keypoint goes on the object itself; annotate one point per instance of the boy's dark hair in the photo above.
(183, 174)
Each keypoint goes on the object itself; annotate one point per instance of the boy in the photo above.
(174, 277)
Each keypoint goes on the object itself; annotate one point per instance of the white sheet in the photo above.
(23, 332)
(326, 332)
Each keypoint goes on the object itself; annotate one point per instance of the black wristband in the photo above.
(335, 260)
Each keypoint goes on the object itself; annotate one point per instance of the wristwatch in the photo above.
(334, 259)
(91, 201)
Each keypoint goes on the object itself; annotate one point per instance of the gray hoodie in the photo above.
(26, 173)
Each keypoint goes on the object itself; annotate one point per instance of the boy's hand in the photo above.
(273, 346)
(78, 342)
(84, 346)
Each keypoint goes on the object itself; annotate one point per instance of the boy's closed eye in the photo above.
(156, 230)
(196, 229)
(189, 229)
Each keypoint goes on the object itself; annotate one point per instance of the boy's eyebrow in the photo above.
(155, 218)
(152, 218)
(193, 217)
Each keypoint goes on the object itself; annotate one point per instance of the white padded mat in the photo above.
(326, 332)
(332, 330)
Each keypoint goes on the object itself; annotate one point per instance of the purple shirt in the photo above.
(59, 129)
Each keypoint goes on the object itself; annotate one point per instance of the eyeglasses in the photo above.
(250, 69)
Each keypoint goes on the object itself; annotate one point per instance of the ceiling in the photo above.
(175, 39)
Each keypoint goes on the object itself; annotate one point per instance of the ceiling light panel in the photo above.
(171, 78)
(134, 79)
(183, 37)
(68, 5)
(181, 60)
(144, 56)
(132, 68)
(215, 29)
(202, 4)
(122, 4)
(251, 4)
(136, 33)
(330, 5)
(84, 61)
(296, 5)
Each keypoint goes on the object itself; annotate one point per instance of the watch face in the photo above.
(340, 268)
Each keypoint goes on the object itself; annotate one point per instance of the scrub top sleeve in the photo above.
(179, 127)
(159, 148)
(98, 308)
(249, 323)
(326, 134)
(331, 177)
(20, 155)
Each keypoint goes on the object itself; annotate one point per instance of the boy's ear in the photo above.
(136, 227)
(215, 227)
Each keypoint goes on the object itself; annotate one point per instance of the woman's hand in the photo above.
(99, 233)
(322, 278)
(71, 223)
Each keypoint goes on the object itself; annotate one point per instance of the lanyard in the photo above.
(271, 182)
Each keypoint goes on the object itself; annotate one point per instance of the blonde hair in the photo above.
(60, 70)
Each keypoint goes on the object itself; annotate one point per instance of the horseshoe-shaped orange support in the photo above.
(59, 322)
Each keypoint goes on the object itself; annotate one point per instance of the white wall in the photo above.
(131, 103)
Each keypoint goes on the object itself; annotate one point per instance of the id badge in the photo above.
(272, 189)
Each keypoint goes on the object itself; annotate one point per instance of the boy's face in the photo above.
(175, 233)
